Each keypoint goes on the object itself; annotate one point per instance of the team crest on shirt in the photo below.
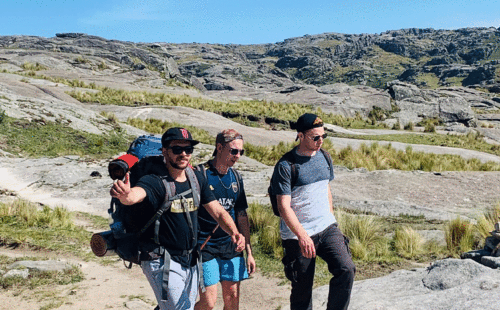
(235, 187)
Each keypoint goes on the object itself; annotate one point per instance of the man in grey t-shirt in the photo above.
(308, 226)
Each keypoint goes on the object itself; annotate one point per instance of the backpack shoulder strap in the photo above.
(328, 158)
(195, 185)
(290, 158)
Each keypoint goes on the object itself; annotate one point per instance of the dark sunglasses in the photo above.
(177, 150)
(316, 138)
(236, 151)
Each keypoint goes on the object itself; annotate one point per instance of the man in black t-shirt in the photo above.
(178, 229)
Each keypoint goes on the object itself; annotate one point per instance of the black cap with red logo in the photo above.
(177, 133)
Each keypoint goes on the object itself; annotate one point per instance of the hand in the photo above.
(250, 264)
(239, 240)
(307, 247)
(121, 189)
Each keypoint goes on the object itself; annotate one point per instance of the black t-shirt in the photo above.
(175, 233)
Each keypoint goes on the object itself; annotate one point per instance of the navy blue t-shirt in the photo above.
(230, 193)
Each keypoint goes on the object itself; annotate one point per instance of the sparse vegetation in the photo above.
(261, 110)
(33, 67)
(24, 224)
(40, 138)
(471, 141)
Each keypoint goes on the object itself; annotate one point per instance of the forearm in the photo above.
(244, 227)
(330, 198)
(223, 218)
(289, 216)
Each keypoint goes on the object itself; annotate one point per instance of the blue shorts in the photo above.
(217, 270)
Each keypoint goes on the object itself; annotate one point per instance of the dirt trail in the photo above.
(115, 287)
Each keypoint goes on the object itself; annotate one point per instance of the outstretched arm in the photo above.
(226, 223)
(127, 196)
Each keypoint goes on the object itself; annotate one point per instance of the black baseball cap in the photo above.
(177, 133)
(308, 121)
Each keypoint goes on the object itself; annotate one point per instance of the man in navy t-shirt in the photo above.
(221, 262)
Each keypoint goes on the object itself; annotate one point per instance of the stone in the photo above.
(490, 243)
(42, 265)
(490, 261)
(475, 255)
(23, 273)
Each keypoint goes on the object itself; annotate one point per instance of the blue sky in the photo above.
(237, 21)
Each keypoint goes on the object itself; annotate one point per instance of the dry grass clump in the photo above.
(459, 235)
(407, 242)
(486, 221)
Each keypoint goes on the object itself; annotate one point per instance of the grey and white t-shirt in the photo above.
(309, 194)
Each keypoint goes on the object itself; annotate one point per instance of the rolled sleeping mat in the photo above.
(103, 243)
(118, 167)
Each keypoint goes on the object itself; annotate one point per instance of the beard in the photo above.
(178, 165)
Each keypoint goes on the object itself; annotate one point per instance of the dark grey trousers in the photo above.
(333, 248)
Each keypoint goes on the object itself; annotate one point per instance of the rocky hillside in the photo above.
(340, 73)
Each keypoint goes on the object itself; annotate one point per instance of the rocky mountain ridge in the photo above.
(340, 73)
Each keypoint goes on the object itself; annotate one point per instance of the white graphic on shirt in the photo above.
(176, 206)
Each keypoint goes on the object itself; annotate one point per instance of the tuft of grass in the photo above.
(459, 236)
(407, 242)
(33, 67)
(486, 221)
(265, 227)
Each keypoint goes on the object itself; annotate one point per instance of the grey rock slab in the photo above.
(436, 196)
(41, 265)
(340, 143)
(23, 273)
(208, 121)
(458, 284)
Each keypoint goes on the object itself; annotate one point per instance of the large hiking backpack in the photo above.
(290, 158)
(128, 223)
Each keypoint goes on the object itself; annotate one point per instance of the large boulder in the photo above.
(446, 284)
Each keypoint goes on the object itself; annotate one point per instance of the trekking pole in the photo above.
(209, 236)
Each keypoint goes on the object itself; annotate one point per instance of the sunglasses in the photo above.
(236, 151)
(316, 138)
(177, 150)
